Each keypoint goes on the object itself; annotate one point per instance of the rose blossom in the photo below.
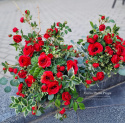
(95, 65)
(29, 80)
(22, 73)
(17, 38)
(102, 27)
(88, 81)
(28, 50)
(116, 66)
(100, 75)
(62, 111)
(24, 61)
(115, 59)
(15, 29)
(22, 19)
(44, 61)
(44, 88)
(66, 97)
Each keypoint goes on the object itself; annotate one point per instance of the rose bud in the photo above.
(95, 65)
(103, 17)
(10, 69)
(57, 23)
(16, 77)
(10, 35)
(62, 68)
(15, 70)
(116, 66)
(62, 111)
(95, 37)
(87, 61)
(15, 29)
(88, 81)
(33, 113)
(22, 19)
(65, 116)
(4, 68)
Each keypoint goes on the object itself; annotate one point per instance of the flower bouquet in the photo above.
(46, 73)
(105, 52)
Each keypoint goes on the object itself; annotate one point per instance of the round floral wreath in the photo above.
(47, 70)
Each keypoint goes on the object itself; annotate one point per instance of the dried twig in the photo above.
(39, 19)
(27, 19)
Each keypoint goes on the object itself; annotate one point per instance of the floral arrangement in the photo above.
(105, 51)
(47, 70)
(46, 73)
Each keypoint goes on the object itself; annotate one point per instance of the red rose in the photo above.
(103, 17)
(62, 68)
(69, 47)
(16, 77)
(53, 87)
(59, 74)
(47, 77)
(88, 81)
(57, 23)
(72, 64)
(34, 108)
(100, 75)
(44, 61)
(37, 47)
(95, 37)
(22, 19)
(33, 113)
(91, 40)
(95, 65)
(10, 69)
(102, 27)
(39, 38)
(66, 97)
(108, 39)
(15, 70)
(50, 55)
(24, 61)
(119, 38)
(120, 50)
(25, 11)
(87, 61)
(15, 29)
(4, 68)
(116, 66)
(28, 50)
(115, 59)
(56, 30)
(27, 42)
(17, 38)
(93, 49)
(62, 111)
(46, 36)
(95, 78)
(22, 73)
(29, 80)
(20, 87)
(67, 103)
(123, 43)
(44, 88)
(41, 43)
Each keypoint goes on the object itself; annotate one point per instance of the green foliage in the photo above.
(57, 103)
(34, 60)
(50, 97)
(79, 99)
(3, 81)
(7, 89)
(75, 106)
(81, 106)
(36, 71)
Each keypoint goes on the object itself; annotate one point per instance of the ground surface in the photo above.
(78, 13)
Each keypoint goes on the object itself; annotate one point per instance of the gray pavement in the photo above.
(78, 13)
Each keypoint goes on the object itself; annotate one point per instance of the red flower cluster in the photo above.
(51, 86)
(66, 97)
(72, 64)
(20, 87)
(29, 80)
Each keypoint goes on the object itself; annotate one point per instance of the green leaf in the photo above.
(36, 72)
(71, 104)
(14, 83)
(80, 41)
(91, 23)
(19, 108)
(81, 106)
(112, 21)
(50, 97)
(25, 113)
(71, 72)
(3, 81)
(24, 101)
(24, 108)
(79, 99)
(34, 60)
(7, 89)
(12, 99)
(57, 103)
(38, 113)
(121, 72)
(75, 106)
(66, 31)
(69, 30)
